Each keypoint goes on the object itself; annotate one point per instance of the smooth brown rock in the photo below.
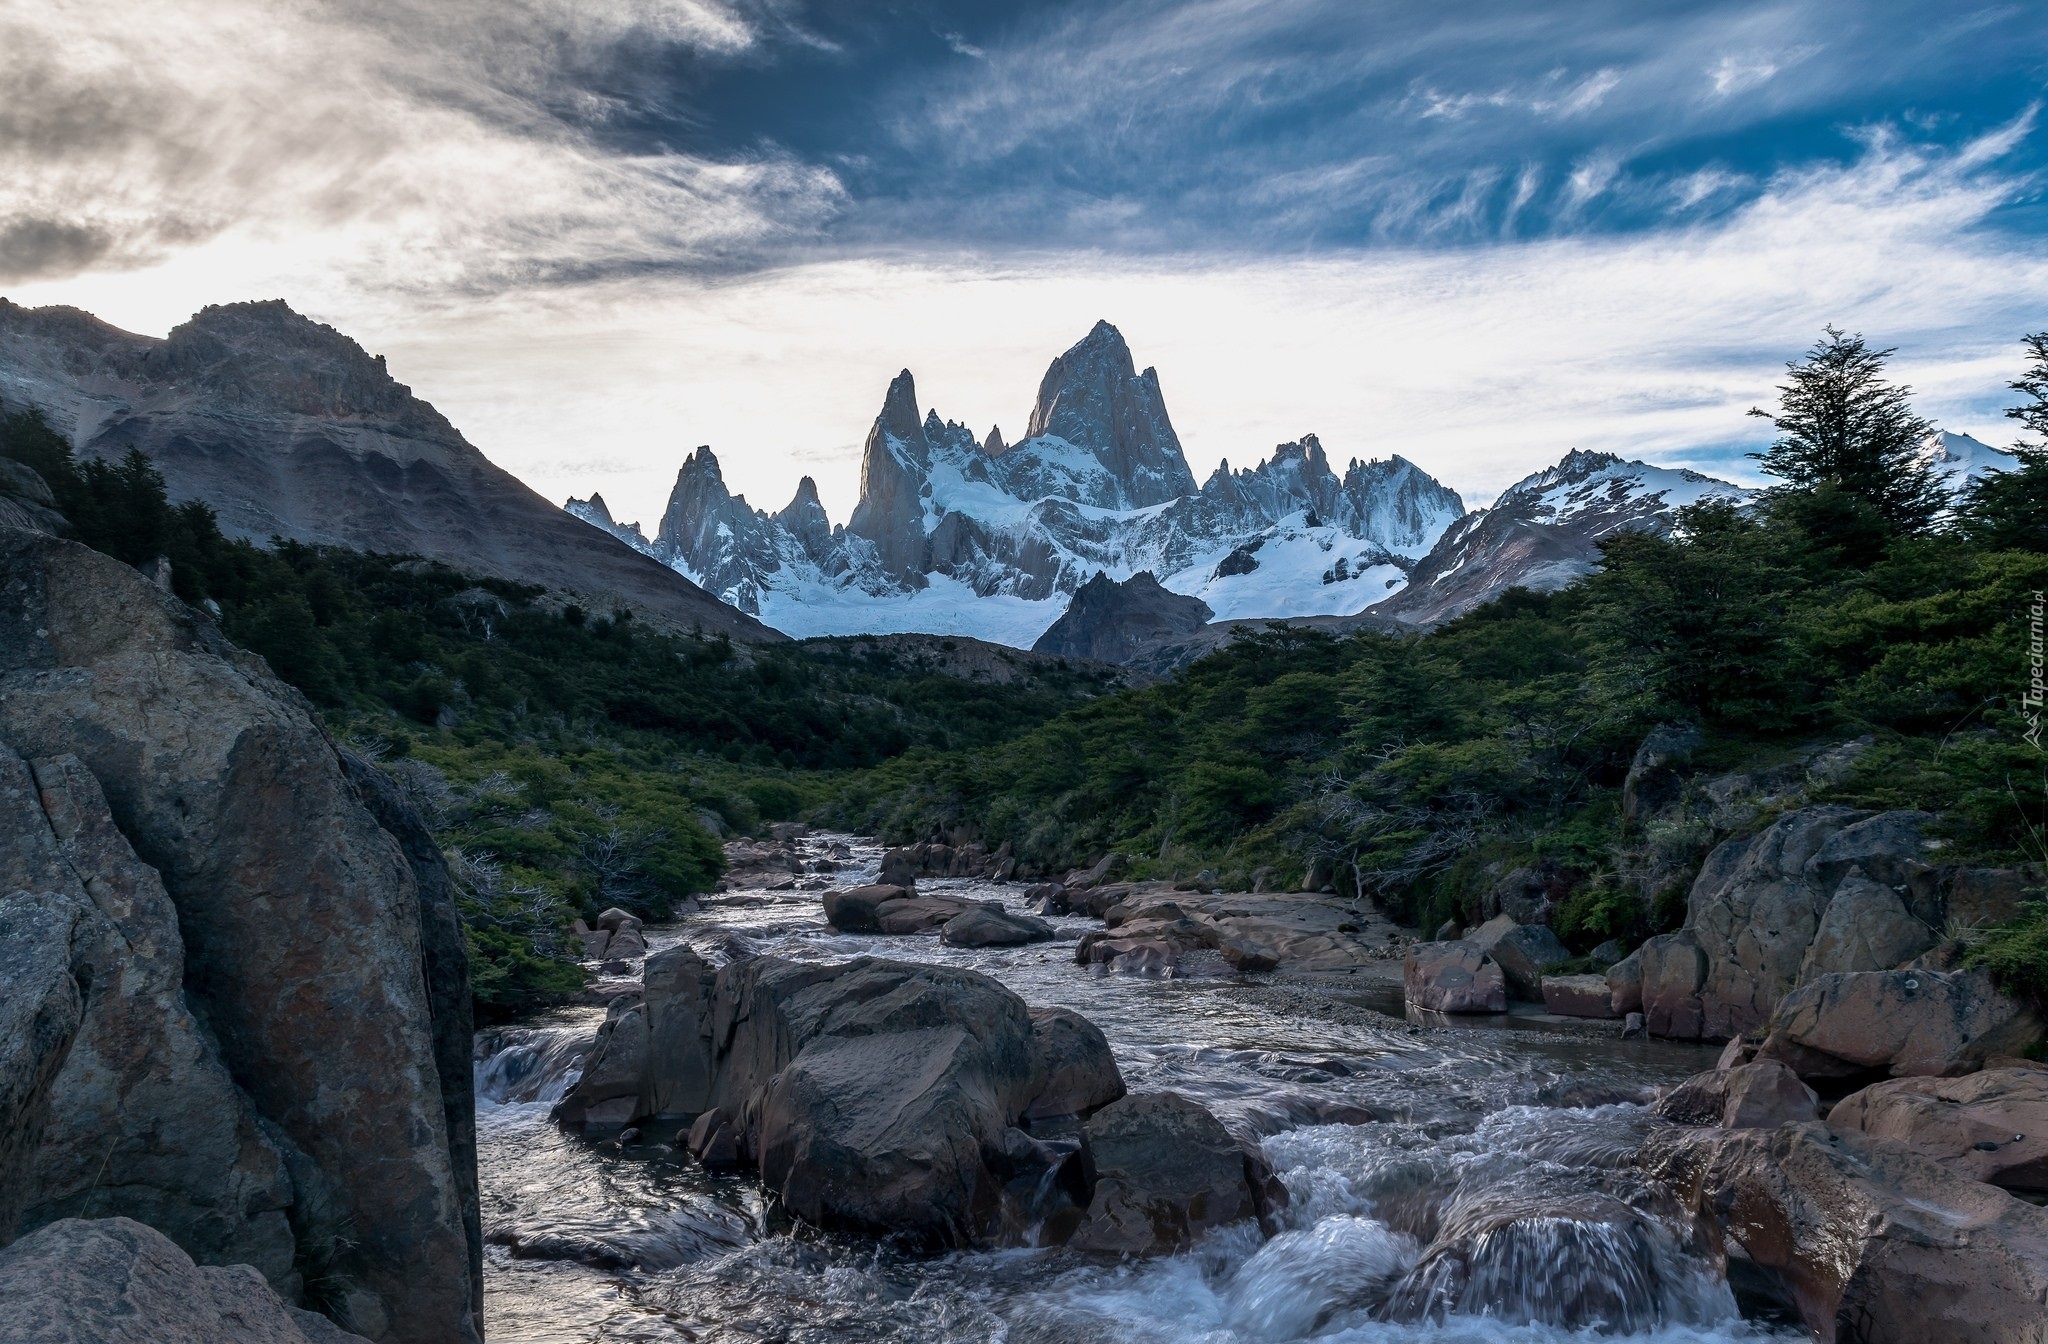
(1164, 1171)
(1874, 1243)
(678, 992)
(917, 914)
(1989, 1126)
(1455, 977)
(1764, 1094)
(1578, 996)
(612, 1092)
(1865, 927)
(1673, 970)
(1908, 1023)
(117, 1281)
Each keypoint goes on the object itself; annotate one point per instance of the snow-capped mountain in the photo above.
(1544, 531)
(1959, 459)
(955, 534)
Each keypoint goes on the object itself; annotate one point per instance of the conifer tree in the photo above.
(2008, 510)
(1841, 423)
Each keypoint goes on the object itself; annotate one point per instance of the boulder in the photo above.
(1625, 984)
(1653, 781)
(1673, 967)
(858, 909)
(308, 936)
(1868, 1240)
(1763, 1094)
(878, 1094)
(899, 869)
(614, 919)
(1989, 1126)
(1164, 1171)
(1076, 1073)
(1453, 977)
(116, 1281)
(1524, 953)
(1907, 1023)
(135, 1091)
(611, 1094)
(677, 997)
(627, 943)
(1137, 956)
(1864, 927)
(1607, 955)
(986, 926)
(1526, 895)
(918, 914)
(1046, 898)
(1578, 996)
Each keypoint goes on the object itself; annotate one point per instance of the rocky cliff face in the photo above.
(988, 538)
(238, 1006)
(1544, 531)
(289, 428)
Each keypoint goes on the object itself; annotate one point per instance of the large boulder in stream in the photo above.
(218, 861)
(1077, 1074)
(984, 926)
(889, 908)
(1865, 1240)
(1164, 1171)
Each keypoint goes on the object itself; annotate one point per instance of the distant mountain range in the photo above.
(989, 538)
(1088, 537)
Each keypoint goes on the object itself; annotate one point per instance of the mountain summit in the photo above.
(986, 538)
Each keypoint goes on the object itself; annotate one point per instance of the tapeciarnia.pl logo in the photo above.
(2031, 698)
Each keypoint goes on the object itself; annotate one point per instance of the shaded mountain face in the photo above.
(1114, 622)
(288, 428)
(981, 537)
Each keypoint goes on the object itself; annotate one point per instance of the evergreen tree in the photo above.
(1840, 422)
(2008, 510)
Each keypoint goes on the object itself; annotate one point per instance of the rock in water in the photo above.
(1869, 1240)
(1990, 1126)
(1524, 952)
(1454, 977)
(307, 946)
(1578, 996)
(1077, 1073)
(1164, 1172)
(983, 927)
(115, 1281)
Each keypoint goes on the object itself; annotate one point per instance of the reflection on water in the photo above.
(1507, 1152)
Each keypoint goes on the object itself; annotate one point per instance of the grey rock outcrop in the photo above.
(1076, 1073)
(1112, 621)
(1821, 890)
(117, 1281)
(1524, 953)
(309, 937)
(288, 428)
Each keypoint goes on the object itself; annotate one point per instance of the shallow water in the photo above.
(1383, 1133)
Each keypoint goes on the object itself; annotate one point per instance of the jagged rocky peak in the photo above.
(265, 354)
(993, 445)
(1093, 398)
(593, 510)
(804, 518)
(892, 478)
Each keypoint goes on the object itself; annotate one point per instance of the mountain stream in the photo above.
(1380, 1130)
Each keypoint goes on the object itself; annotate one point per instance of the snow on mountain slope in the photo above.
(979, 537)
(1960, 458)
(1544, 531)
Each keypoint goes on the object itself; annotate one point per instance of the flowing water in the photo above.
(1516, 1142)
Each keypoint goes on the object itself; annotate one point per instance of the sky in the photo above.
(597, 233)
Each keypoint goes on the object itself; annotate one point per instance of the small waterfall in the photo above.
(529, 1064)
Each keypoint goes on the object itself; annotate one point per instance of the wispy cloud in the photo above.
(438, 146)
